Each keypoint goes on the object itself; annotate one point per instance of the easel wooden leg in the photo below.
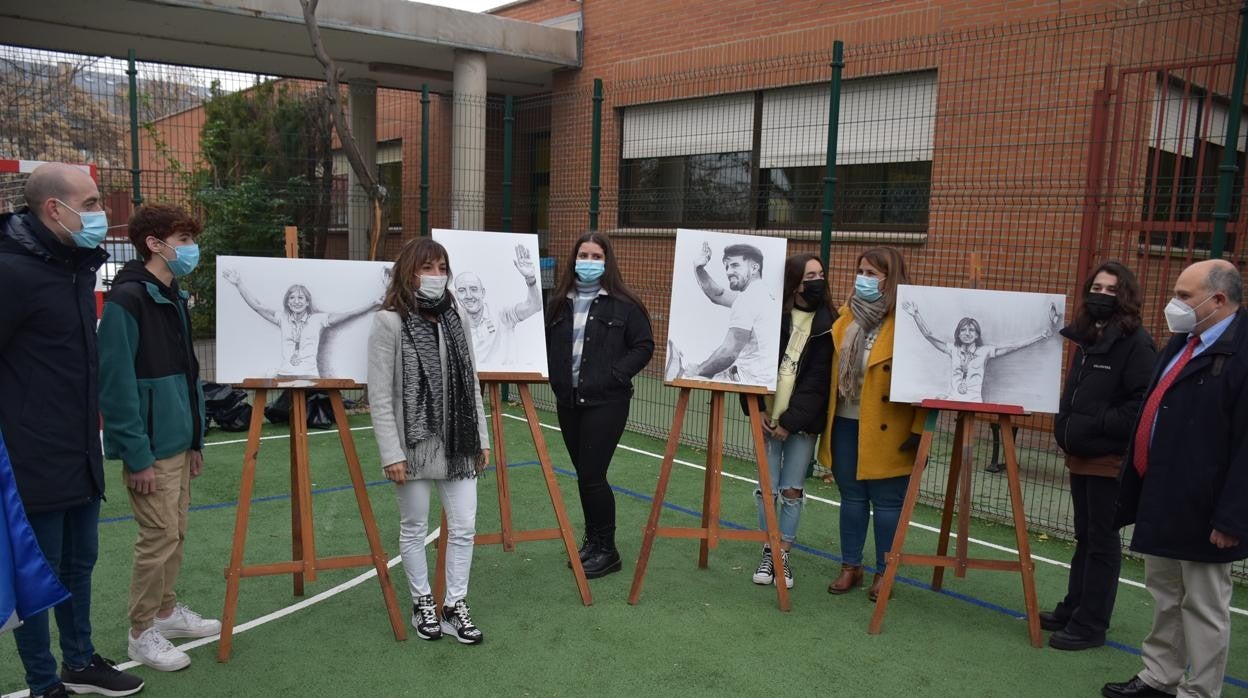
(710, 488)
(964, 508)
(380, 563)
(296, 515)
(556, 497)
(951, 491)
(660, 492)
(769, 509)
(500, 465)
(299, 442)
(1020, 532)
(899, 538)
(234, 573)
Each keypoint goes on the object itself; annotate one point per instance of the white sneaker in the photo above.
(186, 623)
(152, 649)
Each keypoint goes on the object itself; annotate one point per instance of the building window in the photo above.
(389, 173)
(1181, 175)
(709, 189)
(757, 160)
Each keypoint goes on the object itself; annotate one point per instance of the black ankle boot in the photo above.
(604, 559)
(588, 545)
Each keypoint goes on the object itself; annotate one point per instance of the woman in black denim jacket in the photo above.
(597, 338)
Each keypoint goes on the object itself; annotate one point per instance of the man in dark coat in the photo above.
(1185, 485)
(49, 411)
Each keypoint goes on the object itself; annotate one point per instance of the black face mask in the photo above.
(1100, 306)
(813, 291)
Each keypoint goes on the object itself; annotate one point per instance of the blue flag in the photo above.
(27, 583)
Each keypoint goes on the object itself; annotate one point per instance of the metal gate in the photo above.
(1158, 136)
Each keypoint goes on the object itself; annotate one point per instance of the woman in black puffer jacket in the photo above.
(1105, 386)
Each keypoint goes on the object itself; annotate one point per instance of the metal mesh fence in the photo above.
(992, 158)
(1013, 157)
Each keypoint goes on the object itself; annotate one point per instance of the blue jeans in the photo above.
(788, 462)
(70, 542)
(859, 497)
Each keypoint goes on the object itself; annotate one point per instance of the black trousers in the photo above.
(591, 435)
(1094, 569)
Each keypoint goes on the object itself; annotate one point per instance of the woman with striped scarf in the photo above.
(430, 426)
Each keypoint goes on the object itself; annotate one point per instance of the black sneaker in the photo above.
(425, 618)
(457, 622)
(788, 572)
(766, 572)
(57, 691)
(100, 676)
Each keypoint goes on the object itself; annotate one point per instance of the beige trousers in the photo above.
(1191, 626)
(161, 516)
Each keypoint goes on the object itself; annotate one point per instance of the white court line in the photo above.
(279, 613)
(833, 502)
(274, 436)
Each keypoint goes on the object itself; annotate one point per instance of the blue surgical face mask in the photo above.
(590, 270)
(867, 288)
(94, 227)
(185, 259)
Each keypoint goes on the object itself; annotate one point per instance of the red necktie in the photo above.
(1144, 430)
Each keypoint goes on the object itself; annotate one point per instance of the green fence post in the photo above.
(1226, 171)
(509, 127)
(829, 172)
(136, 194)
(424, 159)
(595, 158)
(509, 123)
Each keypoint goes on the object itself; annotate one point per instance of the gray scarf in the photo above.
(867, 317)
(424, 388)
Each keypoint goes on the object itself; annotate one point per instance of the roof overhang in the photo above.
(396, 43)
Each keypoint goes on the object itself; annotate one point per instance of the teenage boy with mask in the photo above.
(49, 412)
(153, 407)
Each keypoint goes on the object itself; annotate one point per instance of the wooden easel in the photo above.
(710, 532)
(960, 471)
(304, 563)
(508, 537)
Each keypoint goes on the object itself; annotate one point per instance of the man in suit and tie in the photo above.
(1185, 485)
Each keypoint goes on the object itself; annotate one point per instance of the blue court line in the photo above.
(276, 497)
(926, 586)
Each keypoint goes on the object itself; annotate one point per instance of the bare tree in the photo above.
(49, 116)
(364, 172)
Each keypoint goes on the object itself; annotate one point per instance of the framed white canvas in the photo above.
(497, 280)
(724, 324)
(971, 345)
(295, 318)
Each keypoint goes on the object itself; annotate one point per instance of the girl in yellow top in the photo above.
(868, 442)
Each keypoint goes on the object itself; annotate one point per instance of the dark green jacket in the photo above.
(150, 392)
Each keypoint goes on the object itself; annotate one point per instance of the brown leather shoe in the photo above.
(877, 583)
(851, 576)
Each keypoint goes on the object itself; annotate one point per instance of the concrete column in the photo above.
(362, 96)
(468, 142)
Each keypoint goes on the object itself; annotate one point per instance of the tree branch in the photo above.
(368, 179)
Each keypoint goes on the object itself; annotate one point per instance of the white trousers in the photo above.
(459, 500)
(1191, 626)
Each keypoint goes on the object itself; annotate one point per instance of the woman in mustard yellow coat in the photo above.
(869, 442)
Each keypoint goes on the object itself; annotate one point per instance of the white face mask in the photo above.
(1181, 317)
(432, 287)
